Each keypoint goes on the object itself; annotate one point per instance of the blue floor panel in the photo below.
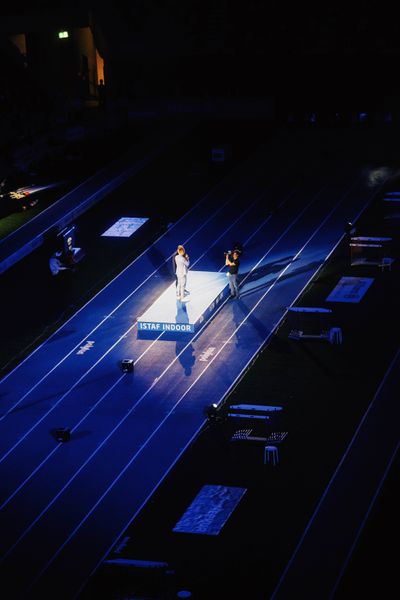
(210, 510)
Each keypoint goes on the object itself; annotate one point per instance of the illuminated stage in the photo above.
(168, 314)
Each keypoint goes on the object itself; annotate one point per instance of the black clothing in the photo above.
(234, 269)
(174, 263)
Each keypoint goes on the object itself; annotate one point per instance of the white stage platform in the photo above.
(207, 289)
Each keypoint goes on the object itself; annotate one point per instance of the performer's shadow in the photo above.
(185, 356)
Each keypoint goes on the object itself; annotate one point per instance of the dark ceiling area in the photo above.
(253, 48)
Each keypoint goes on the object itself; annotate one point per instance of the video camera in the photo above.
(236, 248)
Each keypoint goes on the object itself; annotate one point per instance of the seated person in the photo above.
(56, 264)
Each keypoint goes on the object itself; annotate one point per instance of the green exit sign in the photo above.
(63, 34)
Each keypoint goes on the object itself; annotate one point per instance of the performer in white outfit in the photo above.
(182, 265)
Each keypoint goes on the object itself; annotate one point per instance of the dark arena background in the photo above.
(217, 421)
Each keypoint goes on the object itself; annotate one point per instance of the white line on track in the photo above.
(194, 436)
(27, 479)
(333, 478)
(109, 315)
(221, 183)
(187, 391)
(150, 437)
(371, 505)
(26, 531)
(59, 445)
(107, 285)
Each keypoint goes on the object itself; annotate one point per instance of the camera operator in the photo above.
(232, 261)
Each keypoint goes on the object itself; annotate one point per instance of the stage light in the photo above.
(127, 365)
(62, 434)
(211, 412)
(350, 229)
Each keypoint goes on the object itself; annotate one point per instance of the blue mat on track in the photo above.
(210, 510)
(350, 289)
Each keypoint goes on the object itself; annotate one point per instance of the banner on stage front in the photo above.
(154, 327)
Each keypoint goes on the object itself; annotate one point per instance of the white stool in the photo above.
(271, 452)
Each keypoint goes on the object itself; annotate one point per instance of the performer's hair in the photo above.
(181, 250)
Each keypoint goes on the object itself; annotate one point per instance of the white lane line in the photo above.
(21, 439)
(277, 324)
(28, 478)
(226, 181)
(168, 414)
(108, 316)
(59, 445)
(110, 283)
(335, 474)
(123, 335)
(371, 505)
(150, 437)
(194, 436)
(177, 357)
(156, 381)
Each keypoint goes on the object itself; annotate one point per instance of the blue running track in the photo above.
(63, 506)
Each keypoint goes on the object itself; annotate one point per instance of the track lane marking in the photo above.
(151, 387)
(5, 502)
(224, 181)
